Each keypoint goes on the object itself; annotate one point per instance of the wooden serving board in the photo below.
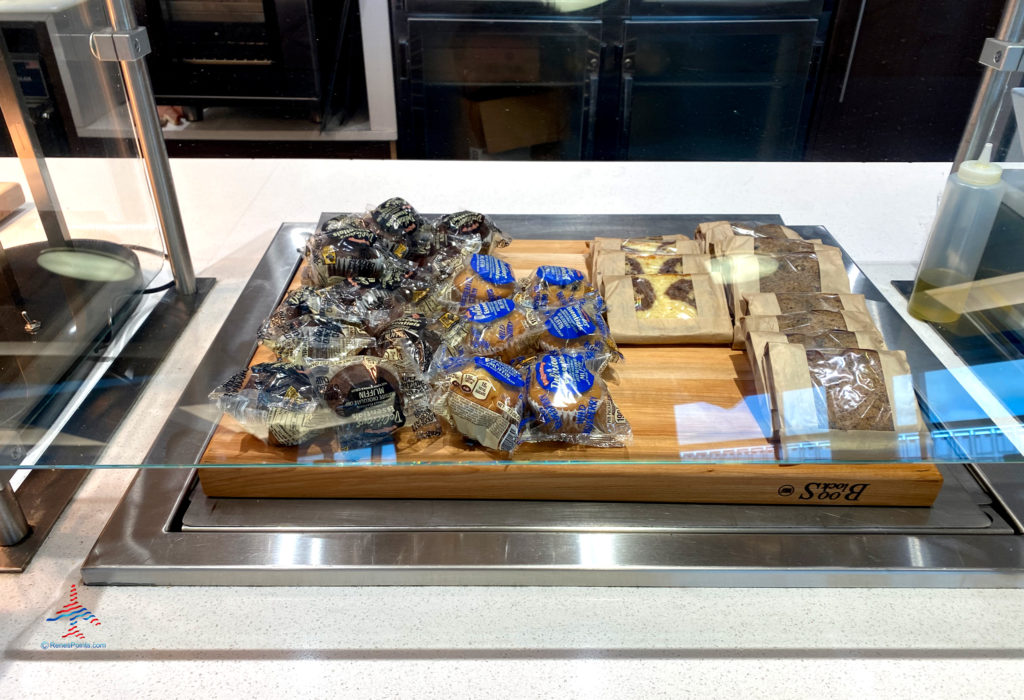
(682, 403)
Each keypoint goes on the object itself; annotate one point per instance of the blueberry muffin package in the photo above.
(757, 342)
(554, 286)
(567, 401)
(805, 322)
(668, 309)
(482, 398)
(275, 402)
(500, 328)
(844, 404)
(480, 278)
(580, 329)
(455, 229)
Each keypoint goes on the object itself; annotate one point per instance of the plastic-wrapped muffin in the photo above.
(568, 402)
(309, 339)
(579, 328)
(485, 278)
(351, 255)
(462, 224)
(405, 232)
(365, 393)
(411, 337)
(274, 401)
(482, 398)
(553, 286)
(499, 328)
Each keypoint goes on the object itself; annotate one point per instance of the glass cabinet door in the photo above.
(518, 8)
(499, 89)
(715, 90)
(774, 8)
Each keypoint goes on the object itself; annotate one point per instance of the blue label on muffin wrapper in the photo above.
(569, 323)
(488, 311)
(500, 371)
(491, 269)
(558, 275)
(556, 372)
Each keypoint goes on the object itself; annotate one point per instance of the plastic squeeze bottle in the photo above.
(966, 214)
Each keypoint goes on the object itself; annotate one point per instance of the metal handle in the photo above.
(590, 110)
(627, 100)
(154, 153)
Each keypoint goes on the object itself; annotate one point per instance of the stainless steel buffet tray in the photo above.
(167, 532)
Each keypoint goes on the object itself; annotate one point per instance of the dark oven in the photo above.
(208, 52)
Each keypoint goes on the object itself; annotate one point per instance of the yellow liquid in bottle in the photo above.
(931, 301)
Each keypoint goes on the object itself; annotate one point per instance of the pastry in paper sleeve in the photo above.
(667, 309)
(845, 404)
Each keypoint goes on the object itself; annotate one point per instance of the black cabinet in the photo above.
(899, 78)
(624, 79)
(715, 90)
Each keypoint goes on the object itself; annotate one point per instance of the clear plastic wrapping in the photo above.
(482, 398)
(554, 286)
(457, 228)
(567, 401)
(274, 401)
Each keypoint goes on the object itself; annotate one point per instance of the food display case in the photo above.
(704, 390)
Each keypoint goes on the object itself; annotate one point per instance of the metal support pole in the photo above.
(154, 153)
(13, 526)
(30, 153)
(990, 102)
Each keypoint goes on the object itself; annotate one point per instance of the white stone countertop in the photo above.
(489, 642)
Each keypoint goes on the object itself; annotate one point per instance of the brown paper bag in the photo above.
(712, 233)
(846, 404)
(806, 322)
(666, 309)
(754, 244)
(620, 263)
(769, 304)
(757, 341)
(820, 271)
(649, 245)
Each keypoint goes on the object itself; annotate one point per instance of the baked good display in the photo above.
(662, 309)
(309, 339)
(568, 402)
(623, 263)
(817, 272)
(484, 278)
(553, 286)
(482, 399)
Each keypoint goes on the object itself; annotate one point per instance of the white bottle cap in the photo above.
(981, 172)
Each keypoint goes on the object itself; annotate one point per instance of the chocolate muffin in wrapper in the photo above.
(403, 231)
(309, 339)
(352, 255)
(469, 224)
(276, 402)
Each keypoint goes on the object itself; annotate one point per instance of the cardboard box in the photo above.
(508, 123)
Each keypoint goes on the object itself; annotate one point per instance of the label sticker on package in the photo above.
(491, 269)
